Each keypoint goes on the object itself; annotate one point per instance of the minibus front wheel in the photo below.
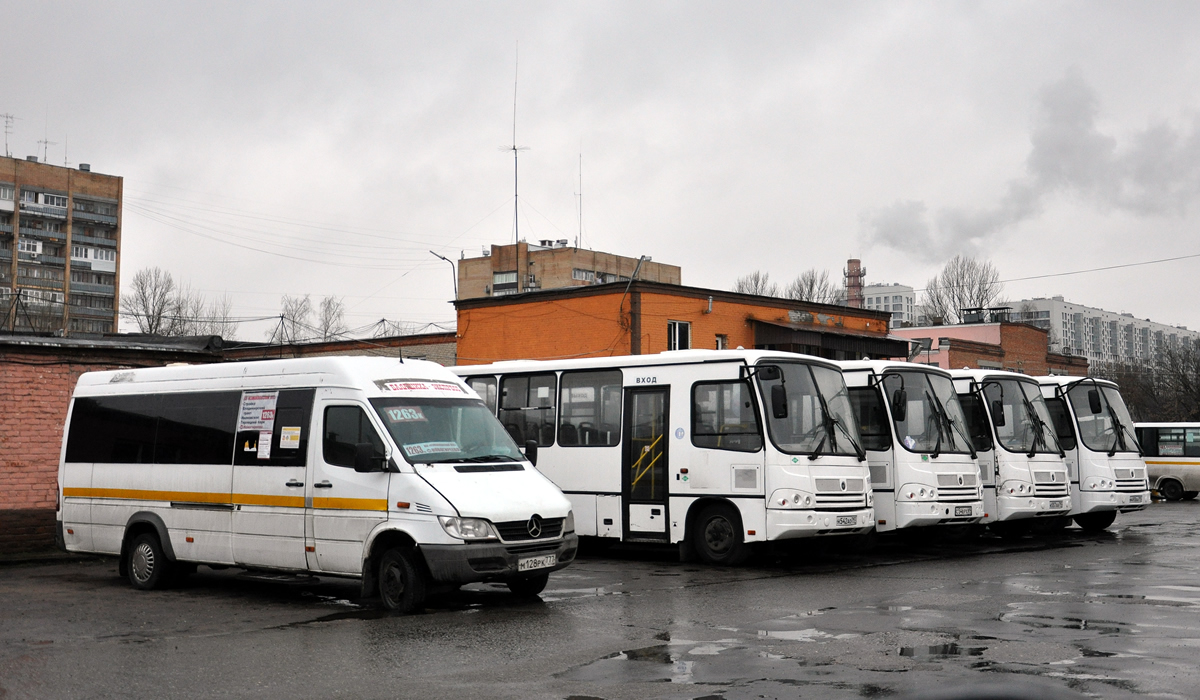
(528, 586)
(717, 536)
(1096, 522)
(401, 582)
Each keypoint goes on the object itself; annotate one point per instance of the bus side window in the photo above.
(872, 419)
(977, 422)
(486, 388)
(588, 415)
(1191, 443)
(527, 407)
(346, 427)
(724, 417)
(1148, 439)
(289, 435)
(1061, 416)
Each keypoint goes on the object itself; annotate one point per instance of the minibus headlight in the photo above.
(569, 523)
(791, 498)
(467, 528)
(870, 499)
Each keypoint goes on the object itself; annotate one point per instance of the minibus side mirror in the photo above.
(1094, 401)
(779, 402)
(769, 373)
(998, 414)
(368, 459)
(899, 405)
(531, 448)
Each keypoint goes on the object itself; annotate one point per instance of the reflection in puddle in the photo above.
(809, 635)
(951, 649)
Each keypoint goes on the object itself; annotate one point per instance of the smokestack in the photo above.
(854, 274)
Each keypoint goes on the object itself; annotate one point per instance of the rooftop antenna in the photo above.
(8, 129)
(515, 148)
(579, 194)
(46, 143)
(66, 147)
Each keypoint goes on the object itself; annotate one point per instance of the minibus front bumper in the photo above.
(1021, 507)
(785, 524)
(920, 513)
(1122, 501)
(494, 561)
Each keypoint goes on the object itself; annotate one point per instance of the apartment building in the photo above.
(60, 240)
(897, 299)
(1103, 337)
(527, 267)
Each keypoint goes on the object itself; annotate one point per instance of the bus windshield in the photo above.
(429, 431)
(1110, 430)
(820, 418)
(931, 420)
(1019, 413)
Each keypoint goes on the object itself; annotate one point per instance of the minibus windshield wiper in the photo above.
(1120, 431)
(858, 450)
(480, 458)
(1039, 437)
(937, 422)
(953, 425)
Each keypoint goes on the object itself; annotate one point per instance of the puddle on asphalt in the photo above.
(951, 649)
(808, 635)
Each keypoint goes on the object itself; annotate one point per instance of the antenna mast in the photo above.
(515, 148)
(579, 238)
(8, 129)
(46, 143)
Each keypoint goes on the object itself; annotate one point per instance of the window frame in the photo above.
(615, 433)
(758, 422)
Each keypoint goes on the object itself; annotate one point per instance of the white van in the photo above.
(382, 469)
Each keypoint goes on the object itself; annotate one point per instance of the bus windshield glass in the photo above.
(931, 420)
(1019, 413)
(820, 418)
(429, 431)
(1110, 430)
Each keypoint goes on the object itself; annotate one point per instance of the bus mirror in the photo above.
(1094, 401)
(531, 448)
(368, 459)
(998, 414)
(779, 402)
(899, 405)
(769, 373)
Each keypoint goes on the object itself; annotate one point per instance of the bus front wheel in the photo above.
(717, 536)
(1171, 490)
(1096, 522)
(401, 583)
(528, 586)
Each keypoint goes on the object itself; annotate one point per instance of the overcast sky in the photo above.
(324, 149)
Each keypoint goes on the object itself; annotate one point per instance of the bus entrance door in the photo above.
(644, 459)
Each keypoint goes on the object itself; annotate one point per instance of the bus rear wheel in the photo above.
(717, 536)
(148, 565)
(1096, 522)
(1171, 490)
(528, 586)
(401, 583)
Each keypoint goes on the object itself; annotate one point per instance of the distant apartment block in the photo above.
(525, 267)
(1101, 336)
(60, 240)
(897, 299)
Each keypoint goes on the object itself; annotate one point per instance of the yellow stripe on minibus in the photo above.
(144, 495)
(1193, 463)
(258, 499)
(351, 503)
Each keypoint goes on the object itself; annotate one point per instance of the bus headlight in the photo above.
(1016, 488)
(467, 528)
(791, 498)
(870, 499)
(918, 492)
(569, 523)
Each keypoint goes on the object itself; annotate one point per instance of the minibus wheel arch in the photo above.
(140, 523)
(1170, 488)
(704, 509)
(384, 541)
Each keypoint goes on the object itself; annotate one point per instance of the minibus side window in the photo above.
(486, 388)
(1061, 416)
(872, 419)
(724, 417)
(183, 428)
(1148, 439)
(289, 434)
(346, 427)
(590, 414)
(977, 422)
(527, 407)
(1191, 445)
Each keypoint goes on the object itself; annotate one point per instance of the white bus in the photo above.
(1023, 467)
(386, 470)
(1104, 460)
(1172, 458)
(671, 448)
(923, 467)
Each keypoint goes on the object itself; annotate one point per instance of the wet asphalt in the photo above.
(1113, 615)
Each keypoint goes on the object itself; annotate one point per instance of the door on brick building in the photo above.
(644, 484)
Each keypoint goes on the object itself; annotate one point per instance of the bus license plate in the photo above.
(1054, 505)
(962, 511)
(843, 520)
(537, 562)
(1135, 499)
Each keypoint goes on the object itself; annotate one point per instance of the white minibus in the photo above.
(923, 468)
(1104, 460)
(709, 449)
(1172, 458)
(1023, 468)
(388, 470)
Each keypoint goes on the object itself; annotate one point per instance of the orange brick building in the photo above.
(640, 317)
(1019, 347)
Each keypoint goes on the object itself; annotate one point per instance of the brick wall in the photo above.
(435, 347)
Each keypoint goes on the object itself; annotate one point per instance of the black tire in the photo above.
(528, 586)
(148, 565)
(1011, 529)
(717, 536)
(1171, 490)
(1190, 495)
(1096, 522)
(401, 582)
(1050, 526)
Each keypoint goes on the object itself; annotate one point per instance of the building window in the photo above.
(28, 197)
(54, 200)
(6, 193)
(679, 335)
(504, 282)
(722, 342)
(583, 275)
(26, 245)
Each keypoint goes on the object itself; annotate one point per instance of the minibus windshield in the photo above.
(1109, 430)
(931, 420)
(820, 418)
(1019, 413)
(431, 431)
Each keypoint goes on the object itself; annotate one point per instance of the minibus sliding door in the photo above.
(644, 455)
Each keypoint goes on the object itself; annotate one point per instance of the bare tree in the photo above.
(294, 320)
(813, 286)
(331, 318)
(964, 283)
(152, 301)
(756, 282)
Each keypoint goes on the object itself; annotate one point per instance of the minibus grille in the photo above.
(838, 486)
(518, 530)
(1049, 478)
(957, 493)
(1134, 485)
(533, 548)
(952, 480)
(1126, 474)
(841, 502)
(1051, 490)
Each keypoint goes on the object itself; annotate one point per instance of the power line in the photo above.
(1092, 269)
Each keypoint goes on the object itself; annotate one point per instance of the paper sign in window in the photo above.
(264, 444)
(289, 438)
(258, 412)
(421, 449)
(405, 414)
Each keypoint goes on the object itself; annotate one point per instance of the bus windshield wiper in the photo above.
(858, 450)
(951, 423)
(1039, 437)
(937, 422)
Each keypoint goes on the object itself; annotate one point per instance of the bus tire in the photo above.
(148, 565)
(717, 536)
(1190, 495)
(1096, 522)
(1171, 490)
(1011, 530)
(528, 586)
(401, 583)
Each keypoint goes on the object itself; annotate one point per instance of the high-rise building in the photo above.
(897, 299)
(1101, 336)
(60, 242)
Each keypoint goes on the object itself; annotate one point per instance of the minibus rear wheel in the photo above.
(528, 586)
(717, 536)
(401, 584)
(1171, 490)
(148, 565)
(1096, 522)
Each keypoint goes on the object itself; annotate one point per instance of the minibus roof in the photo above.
(669, 357)
(881, 366)
(1067, 380)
